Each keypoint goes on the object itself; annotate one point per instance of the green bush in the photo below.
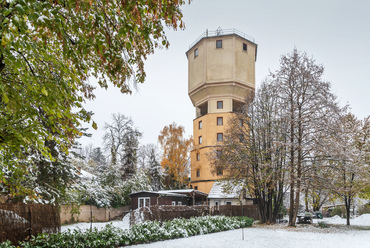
(149, 231)
(323, 224)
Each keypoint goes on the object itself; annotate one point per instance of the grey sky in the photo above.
(336, 33)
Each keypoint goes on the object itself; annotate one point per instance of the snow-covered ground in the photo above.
(124, 224)
(277, 236)
(266, 237)
(363, 220)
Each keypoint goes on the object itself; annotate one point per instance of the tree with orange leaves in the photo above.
(175, 159)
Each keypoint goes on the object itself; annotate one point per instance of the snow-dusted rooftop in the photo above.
(161, 192)
(218, 191)
(187, 191)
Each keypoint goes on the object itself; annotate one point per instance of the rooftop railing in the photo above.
(221, 32)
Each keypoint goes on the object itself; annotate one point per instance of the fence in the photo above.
(19, 221)
(87, 213)
(163, 213)
(250, 211)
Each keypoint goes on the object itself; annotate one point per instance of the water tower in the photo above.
(221, 72)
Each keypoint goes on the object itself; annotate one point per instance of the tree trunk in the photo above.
(306, 198)
(348, 208)
(292, 174)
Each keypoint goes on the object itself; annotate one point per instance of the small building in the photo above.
(152, 198)
(219, 196)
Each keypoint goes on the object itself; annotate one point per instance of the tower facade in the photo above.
(221, 74)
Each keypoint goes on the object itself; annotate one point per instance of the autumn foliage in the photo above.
(175, 160)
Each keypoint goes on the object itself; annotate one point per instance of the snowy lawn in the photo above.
(363, 220)
(277, 236)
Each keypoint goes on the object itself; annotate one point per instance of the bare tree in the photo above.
(306, 102)
(253, 152)
(121, 140)
(350, 152)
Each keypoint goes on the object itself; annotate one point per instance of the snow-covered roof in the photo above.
(161, 192)
(218, 191)
(165, 192)
(187, 191)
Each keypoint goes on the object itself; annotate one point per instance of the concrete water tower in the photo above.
(221, 71)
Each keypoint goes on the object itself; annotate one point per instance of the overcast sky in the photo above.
(336, 33)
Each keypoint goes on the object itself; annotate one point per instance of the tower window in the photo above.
(218, 154)
(200, 125)
(220, 104)
(219, 171)
(196, 52)
(198, 173)
(196, 187)
(198, 156)
(245, 47)
(220, 121)
(218, 43)
(200, 140)
(220, 137)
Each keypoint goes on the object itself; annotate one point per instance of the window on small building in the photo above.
(228, 203)
(196, 187)
(220, 104)
(218, 43)
(198, 173)
(200, 124)
(220, 137)
(245, 47)
(179, 203)
(198, 156)
(220, 121)
(217, 204)
(200, 140)
(195, 52)
(143, 202)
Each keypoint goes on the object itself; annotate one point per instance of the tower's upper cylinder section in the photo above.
(221, 64)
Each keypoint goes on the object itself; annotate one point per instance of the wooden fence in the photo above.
(19, 221)
(250, 211)
(86, 213)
